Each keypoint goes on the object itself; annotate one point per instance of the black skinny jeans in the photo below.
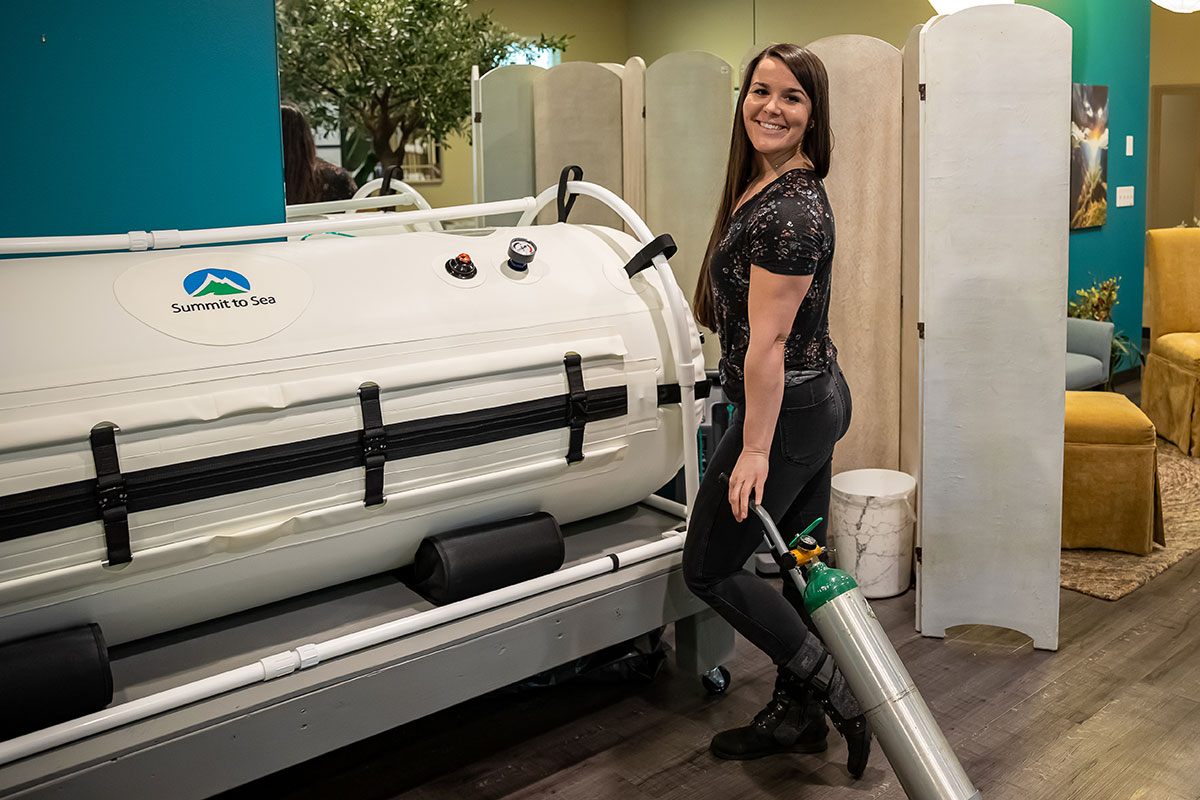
(813, 417)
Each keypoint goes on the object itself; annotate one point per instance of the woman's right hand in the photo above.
(749, 474)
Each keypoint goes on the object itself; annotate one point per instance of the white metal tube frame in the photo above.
(170, 239)
(405, 195)
(308, 655)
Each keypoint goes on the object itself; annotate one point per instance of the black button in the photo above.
(462, 267)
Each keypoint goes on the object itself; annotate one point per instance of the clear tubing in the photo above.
(311, 654)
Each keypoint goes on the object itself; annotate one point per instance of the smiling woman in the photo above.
(776, 113)
(764, 288)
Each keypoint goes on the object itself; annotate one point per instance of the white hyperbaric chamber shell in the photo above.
(229, 367)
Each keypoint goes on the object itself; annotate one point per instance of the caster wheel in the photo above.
(716, 681)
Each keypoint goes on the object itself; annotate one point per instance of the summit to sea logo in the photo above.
(215, 282)
(219, 290)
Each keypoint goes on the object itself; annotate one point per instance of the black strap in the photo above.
(374, 443)
(65, 505)
(643, 258)
(577, 406)
(670, 394)
(110, 493)
(564, 202)
(386, 188)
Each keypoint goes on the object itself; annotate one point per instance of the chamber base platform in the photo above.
(209, 747)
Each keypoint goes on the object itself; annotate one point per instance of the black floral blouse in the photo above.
(786, 228)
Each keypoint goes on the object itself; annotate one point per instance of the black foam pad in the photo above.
(52, 678)
(470, 561)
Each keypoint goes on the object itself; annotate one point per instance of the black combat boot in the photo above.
(791, 723)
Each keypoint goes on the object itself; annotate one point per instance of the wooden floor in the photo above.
(1114, 713)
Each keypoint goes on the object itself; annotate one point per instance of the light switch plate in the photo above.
(1124, 196)
(1128, 145)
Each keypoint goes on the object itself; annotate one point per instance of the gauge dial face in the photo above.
(522, 247)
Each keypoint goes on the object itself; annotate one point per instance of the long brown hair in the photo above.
(817, 145)
(299, 157)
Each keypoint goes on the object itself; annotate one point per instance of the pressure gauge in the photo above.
(520, 253)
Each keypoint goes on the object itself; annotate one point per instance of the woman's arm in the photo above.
(774, 301)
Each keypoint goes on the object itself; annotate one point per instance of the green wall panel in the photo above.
(1111, 47)
(139, 115)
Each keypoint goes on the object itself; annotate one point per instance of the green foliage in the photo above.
(391, 68)
(1122, 348)
(358, 157)
(1096, 302)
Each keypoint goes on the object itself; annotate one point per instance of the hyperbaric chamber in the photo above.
(266, 419)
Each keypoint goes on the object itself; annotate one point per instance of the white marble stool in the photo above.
(871, 529)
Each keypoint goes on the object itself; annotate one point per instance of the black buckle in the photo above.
(374, 445)
(577, 409)
(112, 498)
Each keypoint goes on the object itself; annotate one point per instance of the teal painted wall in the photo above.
(145, 114)
(1111, 47)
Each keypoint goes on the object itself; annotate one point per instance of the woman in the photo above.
(764, 288)
(307, 178)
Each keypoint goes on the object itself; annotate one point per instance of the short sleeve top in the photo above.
(786, 228)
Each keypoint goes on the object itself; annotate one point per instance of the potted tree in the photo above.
(389, 70)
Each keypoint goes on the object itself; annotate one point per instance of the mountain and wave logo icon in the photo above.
(215, 282)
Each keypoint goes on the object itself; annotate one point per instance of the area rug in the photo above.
(1111, 576)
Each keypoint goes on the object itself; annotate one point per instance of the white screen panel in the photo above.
(864, 189)
(689, 114)
(577, 120)
(994, 186)
(506, 135)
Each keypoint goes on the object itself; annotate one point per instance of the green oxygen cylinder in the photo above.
(824, 584)
(896, 712)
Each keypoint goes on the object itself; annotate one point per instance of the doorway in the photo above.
(1173, 179)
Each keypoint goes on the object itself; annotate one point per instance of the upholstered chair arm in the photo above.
(1091, 338)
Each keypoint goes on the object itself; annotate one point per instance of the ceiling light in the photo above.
(1182, 6)
(950, 6)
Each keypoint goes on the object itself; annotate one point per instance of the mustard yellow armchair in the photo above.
(1171, 380)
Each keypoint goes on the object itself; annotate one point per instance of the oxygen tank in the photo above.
(896, 712)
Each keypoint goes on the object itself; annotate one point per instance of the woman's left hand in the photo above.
(749, 474)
